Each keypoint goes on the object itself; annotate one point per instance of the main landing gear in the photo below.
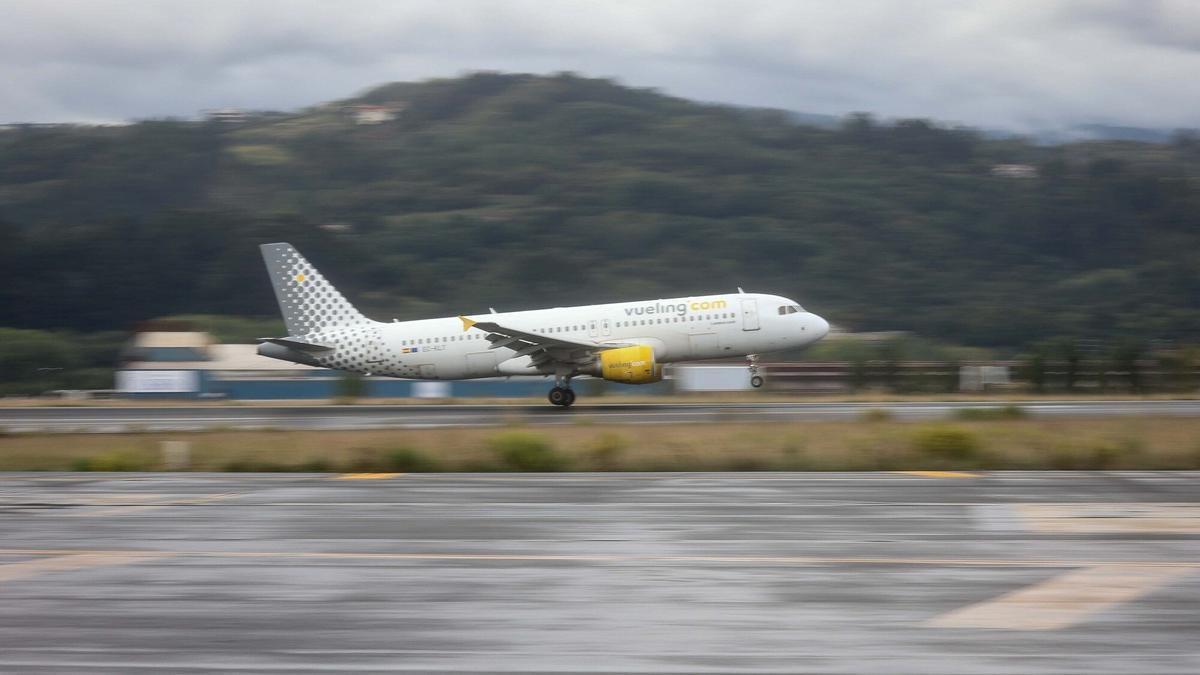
(756, 380)
(562, 395)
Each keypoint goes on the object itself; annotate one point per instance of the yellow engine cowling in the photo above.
(631, 365)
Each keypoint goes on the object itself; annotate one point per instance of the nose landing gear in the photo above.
(756, 380)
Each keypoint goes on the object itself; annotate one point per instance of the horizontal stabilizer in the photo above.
(299, 345)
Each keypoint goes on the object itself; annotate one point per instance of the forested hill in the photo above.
(518, 191)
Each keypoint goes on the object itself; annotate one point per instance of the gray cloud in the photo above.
(1010, 63)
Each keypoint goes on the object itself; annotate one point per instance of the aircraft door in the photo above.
(749, 314)
(606, 327)
(593, 330)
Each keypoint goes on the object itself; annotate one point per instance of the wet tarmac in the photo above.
(926, 572)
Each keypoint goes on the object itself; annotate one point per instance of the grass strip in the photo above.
(869, 444)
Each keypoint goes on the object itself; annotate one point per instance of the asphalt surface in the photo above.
(618, 573)
(332, 417)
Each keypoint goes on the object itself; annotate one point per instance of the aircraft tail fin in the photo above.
(308, 301)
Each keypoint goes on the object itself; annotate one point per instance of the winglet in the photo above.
(467, 323)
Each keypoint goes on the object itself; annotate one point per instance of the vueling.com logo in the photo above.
(676, 308)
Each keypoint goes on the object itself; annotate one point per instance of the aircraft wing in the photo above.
(539, 347)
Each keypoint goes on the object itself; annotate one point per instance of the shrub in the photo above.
(1065, 458)
(314, 466)
(411, 460)
(111, 461)
(1008, 412)
(878, 415)
(364, 460)
(606, 449)
(350, 387)
(1104, 456)
(744, 463)
(1013, 411)
(252, 466)
(523, 451)
(946, 442)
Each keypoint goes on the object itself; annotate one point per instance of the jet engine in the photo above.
(630, 365)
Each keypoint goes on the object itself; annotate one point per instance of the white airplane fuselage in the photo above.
(679, 329)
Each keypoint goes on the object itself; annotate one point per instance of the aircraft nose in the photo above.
(819, 327)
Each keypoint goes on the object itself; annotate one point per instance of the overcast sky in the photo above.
(1006, 63)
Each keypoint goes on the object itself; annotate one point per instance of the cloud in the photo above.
(1007, 63)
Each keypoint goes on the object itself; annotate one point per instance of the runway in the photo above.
(924, 572)
(331, 417)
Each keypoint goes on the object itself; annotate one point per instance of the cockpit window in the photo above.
(790, 309)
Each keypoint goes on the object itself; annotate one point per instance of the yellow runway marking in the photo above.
(939, 474)
(367, 476)
(72, 561)
(1113, 518)
(1063, 601)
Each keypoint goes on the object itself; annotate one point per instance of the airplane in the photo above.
(624, 342)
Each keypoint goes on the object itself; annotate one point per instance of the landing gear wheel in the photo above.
(756, 381)
(561, 396)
